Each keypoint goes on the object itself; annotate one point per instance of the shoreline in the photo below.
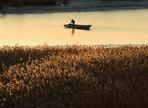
(74, 7)
(79, 45)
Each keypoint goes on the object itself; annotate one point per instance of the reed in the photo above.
(74, 77)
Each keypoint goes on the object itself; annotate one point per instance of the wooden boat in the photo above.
(77, 26)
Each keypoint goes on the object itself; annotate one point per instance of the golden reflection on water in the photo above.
(112, 27)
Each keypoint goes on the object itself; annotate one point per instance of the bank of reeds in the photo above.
(74, 77)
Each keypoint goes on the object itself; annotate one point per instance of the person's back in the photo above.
(73, 21)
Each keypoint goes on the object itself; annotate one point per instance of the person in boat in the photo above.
(73, 22)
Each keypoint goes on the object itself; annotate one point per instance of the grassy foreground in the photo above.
(74, 77)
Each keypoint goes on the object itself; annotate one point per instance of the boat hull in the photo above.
(76, 26)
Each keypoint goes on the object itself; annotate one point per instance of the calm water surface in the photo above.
(110, 27)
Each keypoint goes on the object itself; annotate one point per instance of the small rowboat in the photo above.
(76, 26)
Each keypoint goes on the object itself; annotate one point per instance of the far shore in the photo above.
(73, 7)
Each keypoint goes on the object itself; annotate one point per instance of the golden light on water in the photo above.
(112, 27)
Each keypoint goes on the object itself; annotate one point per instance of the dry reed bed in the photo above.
(74, 77)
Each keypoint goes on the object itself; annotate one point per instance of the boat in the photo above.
(77, 26)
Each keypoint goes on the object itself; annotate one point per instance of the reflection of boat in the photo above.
(76, 26)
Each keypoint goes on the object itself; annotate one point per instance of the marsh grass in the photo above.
(74, 77)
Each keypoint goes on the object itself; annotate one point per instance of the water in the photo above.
(109, 27)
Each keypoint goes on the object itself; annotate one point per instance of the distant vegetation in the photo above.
(49, 2)
(74, 77)
(122, 0)
(32, 2)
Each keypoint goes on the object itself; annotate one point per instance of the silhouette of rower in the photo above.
(73, 22)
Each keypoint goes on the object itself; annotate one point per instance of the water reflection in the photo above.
(73, 30)
(112, 27)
